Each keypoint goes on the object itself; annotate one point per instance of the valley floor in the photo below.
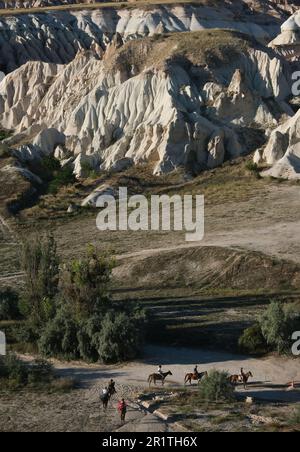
(80, 410)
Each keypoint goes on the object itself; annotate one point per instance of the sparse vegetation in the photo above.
(252, 341)
(216, 387)
(15, 373)
(68, 311)
(273, 331)
(62, 178)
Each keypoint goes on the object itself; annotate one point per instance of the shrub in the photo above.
(120, 338)
(9, 305)
(216, 387)
(63, 384)
(295, 418)
(13, 369)
(60, 179)
(253, 168)
(59, 337)
(252, 341)
(88, 338)
(277, 326)
(18, 373)
(40, 371)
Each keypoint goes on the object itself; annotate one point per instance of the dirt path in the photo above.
(270, 375)
(80, 410)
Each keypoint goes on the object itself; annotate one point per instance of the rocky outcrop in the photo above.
(145, 104)
(57, 37)
(282, 152)
(287, 43)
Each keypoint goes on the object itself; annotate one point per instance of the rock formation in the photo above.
(57, 37)
(288, 41)
(146, 104)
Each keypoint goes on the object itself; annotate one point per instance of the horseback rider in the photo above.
(196, 373)
(112, 387)
(104, 396)
(159, 370)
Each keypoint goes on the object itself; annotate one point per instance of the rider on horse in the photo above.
(111, 387)
(196, 373)
(159, 370)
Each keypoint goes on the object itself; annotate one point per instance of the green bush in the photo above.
(40, 371)
(120, 338)
(216, 387)
(253, 168)
(88, 338)
(13, 369)
(277, 325)
(252, 341)
(17, 373)
(60, 179)
(59, 337)
(9, 305)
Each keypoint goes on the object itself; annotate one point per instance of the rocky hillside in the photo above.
(192, 101)
(56, 37)
(282, 152)
(110, 88)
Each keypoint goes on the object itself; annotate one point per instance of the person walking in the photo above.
(122, 408)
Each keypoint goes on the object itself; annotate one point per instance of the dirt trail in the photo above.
(270, 375)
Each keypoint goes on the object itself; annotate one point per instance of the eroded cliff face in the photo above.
(282, 152)
(288, 41)
(57, 36)
(158, 100)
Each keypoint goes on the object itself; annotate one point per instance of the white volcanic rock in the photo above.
(99, 114)
(287, 42)
(56, 37)
(283, 150)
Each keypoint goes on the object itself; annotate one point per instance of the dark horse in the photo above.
(105, 398)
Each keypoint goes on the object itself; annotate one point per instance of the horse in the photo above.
(105, 399)
(192, 376)
(160, 377)
(242, 378)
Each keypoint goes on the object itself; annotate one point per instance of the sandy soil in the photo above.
(269, 374)
(80, 410)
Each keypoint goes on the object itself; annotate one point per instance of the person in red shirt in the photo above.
(122, 408)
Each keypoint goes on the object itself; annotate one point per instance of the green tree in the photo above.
(85, 285)
(275, 324)
(40, 263)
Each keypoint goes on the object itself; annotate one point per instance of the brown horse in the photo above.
(192, 376)
(242, 378)
(158, 377)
